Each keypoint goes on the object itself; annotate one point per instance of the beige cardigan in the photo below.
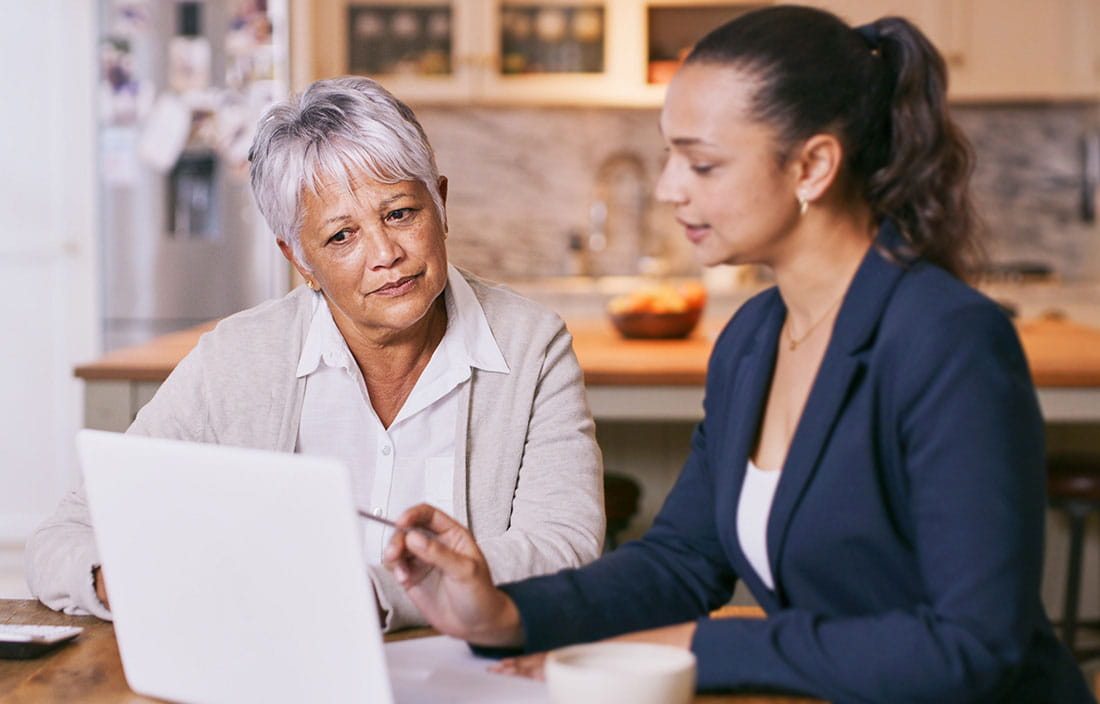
(528, 474)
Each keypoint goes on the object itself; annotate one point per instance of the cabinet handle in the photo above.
(956, 59)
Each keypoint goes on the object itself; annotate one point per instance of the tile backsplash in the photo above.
(523, 183)
(1029, 184)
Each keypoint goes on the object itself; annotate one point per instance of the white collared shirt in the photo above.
(413, 460)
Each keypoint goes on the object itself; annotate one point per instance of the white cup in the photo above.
(614, 673)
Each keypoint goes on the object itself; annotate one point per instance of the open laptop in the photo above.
(237, 575)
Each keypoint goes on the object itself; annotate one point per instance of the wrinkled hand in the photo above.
(448, 579)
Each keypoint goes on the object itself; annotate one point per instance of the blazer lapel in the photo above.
(753, 378)
(826, 401)
(744, 406)
(840, 369)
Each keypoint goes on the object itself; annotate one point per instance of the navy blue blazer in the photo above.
(906, 533)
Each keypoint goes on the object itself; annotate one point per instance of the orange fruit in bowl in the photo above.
(662, 298)
(694, 293)
(661, 311)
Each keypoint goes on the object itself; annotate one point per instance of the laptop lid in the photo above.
(234, 575)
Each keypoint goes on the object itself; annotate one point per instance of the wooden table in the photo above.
(89, 670)
(644, 380)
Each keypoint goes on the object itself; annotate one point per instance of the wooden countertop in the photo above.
(1062, 353)
(151, 361)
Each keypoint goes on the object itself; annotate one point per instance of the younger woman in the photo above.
(871, 459)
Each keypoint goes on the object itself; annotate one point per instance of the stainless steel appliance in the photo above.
(182, 84)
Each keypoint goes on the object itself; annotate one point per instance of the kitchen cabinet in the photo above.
(1002, 50)
(478, 65)
(1020, 49)
(409, 71)
(557, 52)
(996, 50)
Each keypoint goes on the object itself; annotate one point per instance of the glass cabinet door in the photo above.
(406, 40)
(556, 51)
(542, 38)
(418, 49)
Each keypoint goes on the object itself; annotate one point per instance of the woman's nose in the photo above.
(383, 251)
(669, 188)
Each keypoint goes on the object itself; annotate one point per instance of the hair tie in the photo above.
(870, 34)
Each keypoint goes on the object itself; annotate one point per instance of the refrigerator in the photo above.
(182, 84)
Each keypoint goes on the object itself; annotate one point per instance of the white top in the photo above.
(753, 509)
(413, 460)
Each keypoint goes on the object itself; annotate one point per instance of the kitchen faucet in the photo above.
(617, 215)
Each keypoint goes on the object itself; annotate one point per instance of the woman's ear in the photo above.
(817, 165)
(288, 252)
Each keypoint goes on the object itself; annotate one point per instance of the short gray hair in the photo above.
(333, 128)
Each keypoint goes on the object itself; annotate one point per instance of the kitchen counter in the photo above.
(627, 379)
(663, 379)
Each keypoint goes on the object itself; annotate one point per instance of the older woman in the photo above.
(430, 384)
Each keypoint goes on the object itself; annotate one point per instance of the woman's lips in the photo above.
(695, 233)
(396, 288)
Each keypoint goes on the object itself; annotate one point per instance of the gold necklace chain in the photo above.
(810, 331)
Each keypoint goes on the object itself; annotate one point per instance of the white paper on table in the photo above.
(443, 670)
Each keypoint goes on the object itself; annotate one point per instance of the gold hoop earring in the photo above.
(803, 204)
(312, 286)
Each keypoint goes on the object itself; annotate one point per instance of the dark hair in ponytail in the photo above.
(881, 90)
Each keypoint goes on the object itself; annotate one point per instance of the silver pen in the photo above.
(387, 522)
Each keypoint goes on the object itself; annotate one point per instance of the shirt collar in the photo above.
(468, 338)
(324, 343)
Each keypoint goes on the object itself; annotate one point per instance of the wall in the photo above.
(522, 179)
(47, 263)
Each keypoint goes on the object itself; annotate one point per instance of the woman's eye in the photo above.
(701, 169)
(341, 236)
(399, 214)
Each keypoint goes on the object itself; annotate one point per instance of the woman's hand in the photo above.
(448, 580)
(533, 666)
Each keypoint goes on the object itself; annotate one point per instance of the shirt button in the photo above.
(386, 450)
(377, 512)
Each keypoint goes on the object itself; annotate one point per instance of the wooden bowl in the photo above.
(656, 326)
